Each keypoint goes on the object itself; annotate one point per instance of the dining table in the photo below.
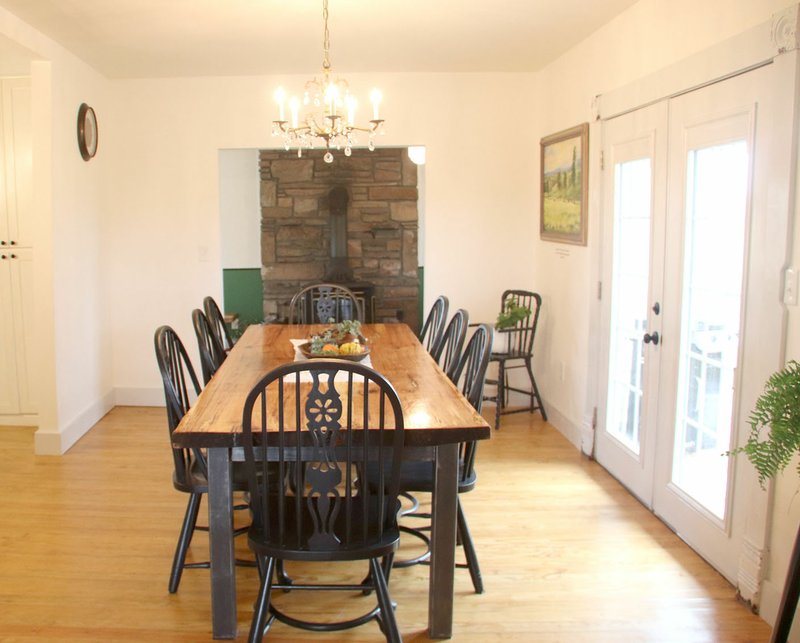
(437, 418)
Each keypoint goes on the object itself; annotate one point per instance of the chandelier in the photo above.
(326, 113)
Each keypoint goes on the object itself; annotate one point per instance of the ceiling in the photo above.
(169, 38)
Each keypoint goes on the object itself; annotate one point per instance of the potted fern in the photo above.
(778, 409)
(507, 319)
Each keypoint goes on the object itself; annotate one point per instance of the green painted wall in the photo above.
(242, 293)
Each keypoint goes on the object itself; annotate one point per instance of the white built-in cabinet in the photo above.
(16, 251)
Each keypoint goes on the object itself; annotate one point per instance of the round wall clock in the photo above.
(87, 132)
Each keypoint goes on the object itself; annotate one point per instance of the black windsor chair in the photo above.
(433, 328)
(322, 303)
(217, 323)
(319, 430)
(190, 473)
(517, 353)
(418, 477)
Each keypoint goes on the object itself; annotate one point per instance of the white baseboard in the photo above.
(139, 397)
(770, 601)
(28, 419)
(566, 427)
(49, 442)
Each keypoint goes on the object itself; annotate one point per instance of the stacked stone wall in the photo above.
(382, 226)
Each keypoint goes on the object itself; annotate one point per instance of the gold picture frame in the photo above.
(564, 178)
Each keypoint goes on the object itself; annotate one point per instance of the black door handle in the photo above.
(651, 337)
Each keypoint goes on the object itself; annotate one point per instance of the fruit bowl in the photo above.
(305, 349)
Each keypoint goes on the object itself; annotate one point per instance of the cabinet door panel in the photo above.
(9, 393)
(16, 119)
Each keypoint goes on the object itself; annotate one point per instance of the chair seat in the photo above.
(306, 543)
(508, 355)
(195, 480)
(418, 477)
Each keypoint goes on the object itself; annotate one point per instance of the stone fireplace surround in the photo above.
(382, 219)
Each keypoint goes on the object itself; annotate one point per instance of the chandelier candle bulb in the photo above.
(294, 106)
(280, 97)
(375, 97)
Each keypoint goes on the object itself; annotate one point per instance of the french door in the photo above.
(689, 337)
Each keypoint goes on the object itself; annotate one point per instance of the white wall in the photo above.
(480, 193)
(239, 209)
(73, 344)
(651, 35)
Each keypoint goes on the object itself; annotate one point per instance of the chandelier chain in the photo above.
(326, 40)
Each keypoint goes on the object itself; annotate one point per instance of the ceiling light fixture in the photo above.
(326, 113)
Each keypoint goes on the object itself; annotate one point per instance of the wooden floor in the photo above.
(86, 542)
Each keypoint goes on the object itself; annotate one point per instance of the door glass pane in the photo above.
(630, 275)
(716, 206)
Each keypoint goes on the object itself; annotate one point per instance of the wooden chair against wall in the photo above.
(517, 353)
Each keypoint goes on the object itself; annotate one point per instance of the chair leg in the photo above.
(283, 577)
(469, 550)
(388, 620)
(261, 610)
(184, 540)
(500, 394)
(536, 399)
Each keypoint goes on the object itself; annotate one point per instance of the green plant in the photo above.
(511, 314)
(777, 408)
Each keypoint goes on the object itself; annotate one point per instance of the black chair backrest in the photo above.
(211, 353)
(180, 388)
(217, 323)
(521, 335)
(322, 303)
(469, 376)
(448, 352)
(320, 422)
(433, 328)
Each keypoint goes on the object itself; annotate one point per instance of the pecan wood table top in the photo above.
(434, 410)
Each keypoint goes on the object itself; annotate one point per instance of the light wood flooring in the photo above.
(86, 543)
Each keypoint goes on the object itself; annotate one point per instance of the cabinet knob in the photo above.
(2, 243)
(13, 243)
(3, 257)
(13, 256)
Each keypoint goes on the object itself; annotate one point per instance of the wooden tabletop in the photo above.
(434, 410)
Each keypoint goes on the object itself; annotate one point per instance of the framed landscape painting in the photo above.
(565, 182)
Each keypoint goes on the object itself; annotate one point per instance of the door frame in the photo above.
(776, 43)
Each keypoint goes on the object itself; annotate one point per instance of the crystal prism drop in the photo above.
(371, 145)
(347, 151)
(328, 158)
